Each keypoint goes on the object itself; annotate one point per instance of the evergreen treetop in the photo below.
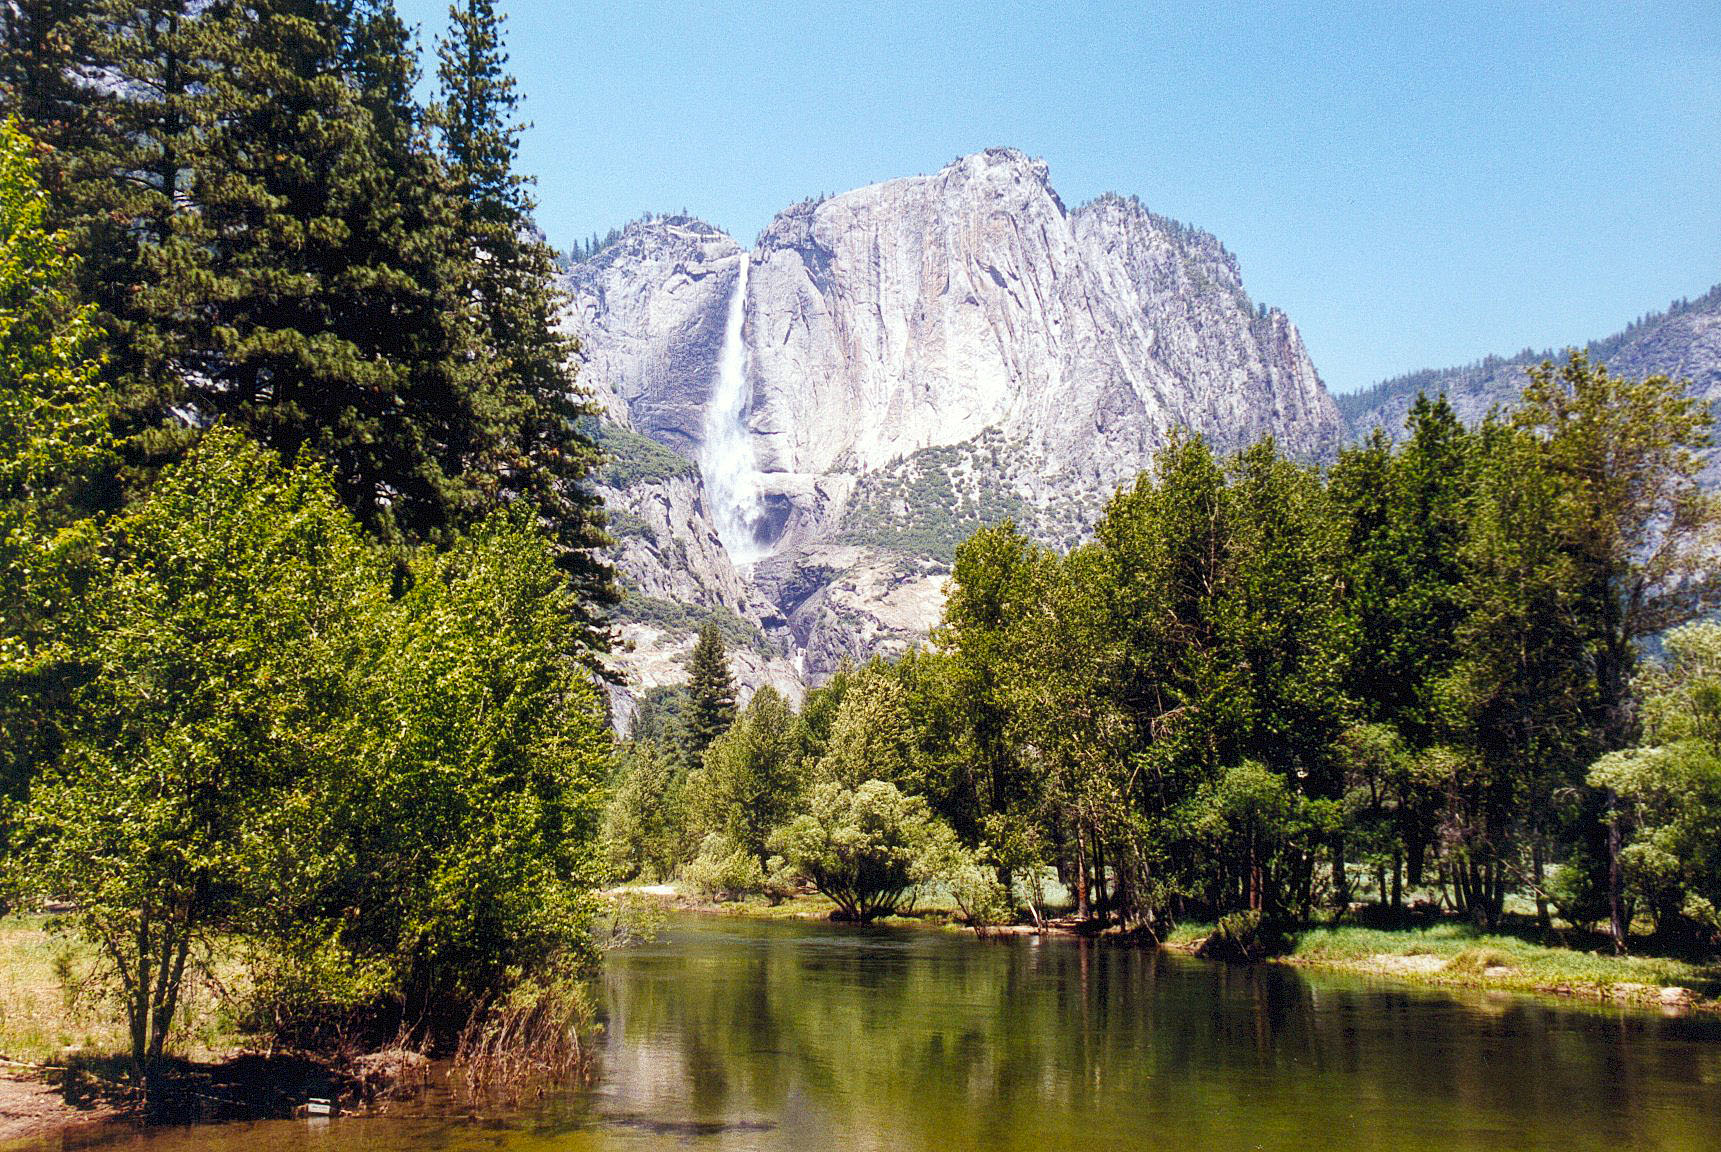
(710, 691)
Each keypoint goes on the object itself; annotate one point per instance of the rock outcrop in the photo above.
(923, 355)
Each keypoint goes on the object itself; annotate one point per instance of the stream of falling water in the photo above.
(731, 470)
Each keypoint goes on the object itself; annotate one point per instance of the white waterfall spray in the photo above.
(731, 470)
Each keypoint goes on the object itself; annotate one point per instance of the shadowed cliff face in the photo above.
(923, 356)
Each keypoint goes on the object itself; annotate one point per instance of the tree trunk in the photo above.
(1341, 880)
(1618, 923)
(1081, 872)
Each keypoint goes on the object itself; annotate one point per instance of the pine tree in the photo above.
(45, 64)
(710, 692)
(531, 399)
(109, 87)
(322, 324)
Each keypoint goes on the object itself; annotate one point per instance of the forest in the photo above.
(1470, 673)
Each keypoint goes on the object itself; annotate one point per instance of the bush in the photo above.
(1245, 938)
(722, 871)
(867, 848)
(974, 886)
(1475, 961)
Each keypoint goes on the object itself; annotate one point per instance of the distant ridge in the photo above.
(1683, 341)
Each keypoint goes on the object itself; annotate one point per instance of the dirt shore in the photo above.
(34, 1111)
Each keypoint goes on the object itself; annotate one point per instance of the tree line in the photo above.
(1471, 667)
(301, 586)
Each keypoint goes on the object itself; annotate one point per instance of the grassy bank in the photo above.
(65, 1053)
(1449, 954)
(51, 1011)
(1453, 954)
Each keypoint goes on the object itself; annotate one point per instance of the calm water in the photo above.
(729, 1034)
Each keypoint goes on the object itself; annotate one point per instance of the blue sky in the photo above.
(1415, 184)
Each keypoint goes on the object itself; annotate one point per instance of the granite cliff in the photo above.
(884, 371)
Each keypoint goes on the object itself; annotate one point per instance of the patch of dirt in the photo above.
(1395, 964)
(31, 1110)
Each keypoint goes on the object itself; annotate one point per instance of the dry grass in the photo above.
(51, 1009)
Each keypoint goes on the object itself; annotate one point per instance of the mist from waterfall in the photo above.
(731, 470)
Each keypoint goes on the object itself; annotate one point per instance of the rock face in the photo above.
(1684, 342)
(921, 356)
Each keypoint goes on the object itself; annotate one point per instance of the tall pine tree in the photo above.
(321, 326)
(710, 692)
(530, 397)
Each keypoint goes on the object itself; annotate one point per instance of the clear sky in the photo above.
(1415, 184)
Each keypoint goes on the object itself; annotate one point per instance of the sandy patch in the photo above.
(31, 1110)
(1396, 964)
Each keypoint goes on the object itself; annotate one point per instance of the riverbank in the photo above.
(1456, 955)
(1450, 954)
(63, 1068)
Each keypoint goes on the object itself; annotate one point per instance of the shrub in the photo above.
(722, 871)
(1475, 961)
(867, 848)
(1246, 937)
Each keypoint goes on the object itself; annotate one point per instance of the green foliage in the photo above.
(390, 803)
(1246, 937)
(476, 805)
(271, 238)
(710, 692)
(675, 617)
(1670, 788)
(926, 504)
(872, 736)
(752, 776)
(866, 848)
(53, 437)
(646, 821)
(723, 871)
(526, 392)
(631, 459)
(220, 630)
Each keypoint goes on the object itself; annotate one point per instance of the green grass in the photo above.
(1458, 954)
(52, 1010)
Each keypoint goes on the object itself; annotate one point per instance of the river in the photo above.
(738, 1034)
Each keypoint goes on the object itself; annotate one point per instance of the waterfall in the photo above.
(727, 460)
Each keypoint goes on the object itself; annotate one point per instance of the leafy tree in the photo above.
(646, 822)
(220, 631)
(1637, 525)
(468, 828)
(1250, 818)
(53, 437)
(710, 692)
(752, 776)
(865, 848)
(872, 737)
(1670, 789)
(1517, 691)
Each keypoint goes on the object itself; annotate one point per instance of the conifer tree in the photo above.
(710, 692)
(45, 58)
(531, 398)
(321, 323)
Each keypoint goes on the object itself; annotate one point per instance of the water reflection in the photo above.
(729, 1034)
(909, 1039)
